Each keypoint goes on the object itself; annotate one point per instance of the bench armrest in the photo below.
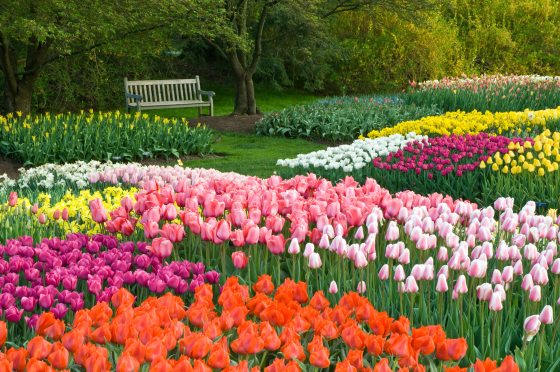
(135, 97)
(208, 93)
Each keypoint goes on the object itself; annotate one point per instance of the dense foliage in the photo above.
(339, 119)
(63, 138)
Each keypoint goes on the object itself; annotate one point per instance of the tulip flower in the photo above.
(531, 326)
(240, 260)
(315, 260)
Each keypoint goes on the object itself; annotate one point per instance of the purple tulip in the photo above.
(28, 303)
(212, 277)
(59, 310)
(13, 315)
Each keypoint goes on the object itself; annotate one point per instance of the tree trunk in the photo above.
(240, 105)
(22, 99)
(245, 101)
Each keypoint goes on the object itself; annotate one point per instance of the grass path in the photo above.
(250, 154)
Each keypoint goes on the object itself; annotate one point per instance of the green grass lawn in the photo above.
(268, 100)
(250, 154)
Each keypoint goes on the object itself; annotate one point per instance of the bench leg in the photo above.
(211, 107)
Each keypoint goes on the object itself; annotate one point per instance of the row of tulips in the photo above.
(440, 260)
(474, 122)
(63, 276)
(62, 138)
(487, 92)
(277, 329)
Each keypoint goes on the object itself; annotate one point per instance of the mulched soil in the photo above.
(238, 124)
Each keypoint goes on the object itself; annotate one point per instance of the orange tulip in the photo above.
(183, 365)
(123, 298)
(6, 365)
(382, 366)
(135, 349)
(49, 326)
(204, 296)
(318, 353)
(213, 328)
(269, 336)
(200, 366)
(73, 340)
(299, 323)
(398, 345)
(455, 369)
(100, 313)
(219, 355)
(293, 350)
(248, 340)
(18, 357)
(319, 301)
(127, 363)
(451, 349)
(264, 285)
(195, 345)
(161, 365)
(84, 352)
(155, 349)
(424, 344)
(38, 347)
(97, 362)
(353, 336)
(402, 325)
(345, 366)
(288, 334)
(508, 365)
(3, 333)
(36, 365)
(279, 365)
(356, 358)
(101, 335)
(486, 365)
(374, 344)
(58, 357)
(380, 324)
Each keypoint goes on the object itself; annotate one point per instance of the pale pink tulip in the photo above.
(484, 292)
(359, 234)
(531, 326)
(442, 254)
(527, 282)
(392, 233)
(361, 287)
(461, 285)
(309, 248)
(495, 303)
(546, 315)
(441, 285)
(535, 293)
(410, 285)
(294, 247)
(399, 275)
(315, 260)
(333, 288)
(384, 272)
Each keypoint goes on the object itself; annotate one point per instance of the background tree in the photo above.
(34, 33)
(247, 20)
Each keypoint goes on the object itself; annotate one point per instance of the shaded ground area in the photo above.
(10, 167)
(238, 124)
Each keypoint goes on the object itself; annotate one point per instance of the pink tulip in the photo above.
(161, 247)
(442, 254)
(531, 326)
(399, 275)
(361, 287)
(324, 243)
(309, 248)
(12, 199)
(539, 274)
(223, 231)
(546, 315)
(556, 267)
(410, 285)
(496, 277)
(42, 219)
(484, 292)
(239, 259)
(360, 260)
(151, 229)
(64, 214)
(276, 244)
(384, 272)
(35, 208)
(461, 285)
(333, 288)
(404, 257)
(507, 274)
(237, 238)
(392, 233)
(441, 285)
(98, 212)
(251, 234)
(495, 303)
(359, 234)
(175, 233)
(315, 260)
(535, 293)
(477, 269)
(294, 247)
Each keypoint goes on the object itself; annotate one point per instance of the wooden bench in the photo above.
(158, 94)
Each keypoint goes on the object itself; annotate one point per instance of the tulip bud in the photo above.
(315, 260)
(535, 293)
(294, 247)
(42, 219)
(441, 285)
(240, 260)
(309, 248)
(333, 288)
(531, 326)
(399, 275)
(359, 234)
(384, 272)
(461, 285)
(495, 302)
(546, 316)
(410, 285)
(361, 287)
(484, 292)
(527, 282)
(442, 254)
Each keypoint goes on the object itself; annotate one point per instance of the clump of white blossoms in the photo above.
(351, 157)
(48, 176)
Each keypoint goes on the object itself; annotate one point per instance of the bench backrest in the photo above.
(164, 91)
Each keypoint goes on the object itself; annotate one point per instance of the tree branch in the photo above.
(258, 37)
(216, 46)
